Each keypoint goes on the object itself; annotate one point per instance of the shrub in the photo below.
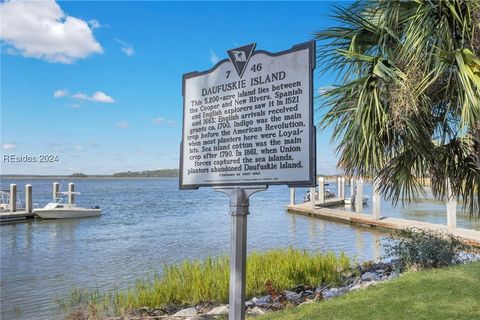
(416, 248)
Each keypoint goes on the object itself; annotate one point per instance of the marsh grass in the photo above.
(193, 282)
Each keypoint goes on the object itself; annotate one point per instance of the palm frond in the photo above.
(406, 99)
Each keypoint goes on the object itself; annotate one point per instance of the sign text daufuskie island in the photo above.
(249, 120)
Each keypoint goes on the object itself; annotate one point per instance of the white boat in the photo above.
(61, 209)
(351, 200)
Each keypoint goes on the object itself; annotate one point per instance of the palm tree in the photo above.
(406, 103)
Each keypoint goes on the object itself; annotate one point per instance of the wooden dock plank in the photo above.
(469, 236)
(6, 217)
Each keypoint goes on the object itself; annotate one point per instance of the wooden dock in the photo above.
(9, 217)
(468, 236)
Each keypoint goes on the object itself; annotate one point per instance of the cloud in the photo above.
(11, 51)
(126, 48)
(161, 121)
(73, 106)
(40, 29)
(78, 147)
(8, 146)
(94, 24)
(129, 51)
(60, 93)
(98, 96)
(122, 125)
(158, 121)
(213, 57)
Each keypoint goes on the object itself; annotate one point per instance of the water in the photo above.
(149, 223)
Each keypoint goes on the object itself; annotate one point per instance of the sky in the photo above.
(97, 85)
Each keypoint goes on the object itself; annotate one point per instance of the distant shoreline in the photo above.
(26, 177)
(145, 174)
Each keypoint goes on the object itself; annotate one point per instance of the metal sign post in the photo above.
(239, 209)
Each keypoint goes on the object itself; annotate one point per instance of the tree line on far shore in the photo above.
(164, 173)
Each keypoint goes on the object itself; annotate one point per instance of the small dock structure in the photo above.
(324, 208)
(8, 217)
(14, 211)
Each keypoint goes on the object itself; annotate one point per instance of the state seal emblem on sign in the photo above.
(240, 57)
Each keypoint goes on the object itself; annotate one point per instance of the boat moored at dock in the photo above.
(61, 209)
(351, 200)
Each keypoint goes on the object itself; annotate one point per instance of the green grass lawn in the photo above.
(449, 293)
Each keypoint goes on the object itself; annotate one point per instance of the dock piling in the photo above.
(359, 196)
(339, 187)
(71, 196)
(376, 200)
(352, 186)
(321, 190)
(28, 198)
(342, 183)
(312, 197)
(292, 196)
(55, 190)
(451, 207)
(13, 197)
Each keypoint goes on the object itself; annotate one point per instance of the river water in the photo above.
(147, 224)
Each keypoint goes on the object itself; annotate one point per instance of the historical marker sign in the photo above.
(249, 120)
